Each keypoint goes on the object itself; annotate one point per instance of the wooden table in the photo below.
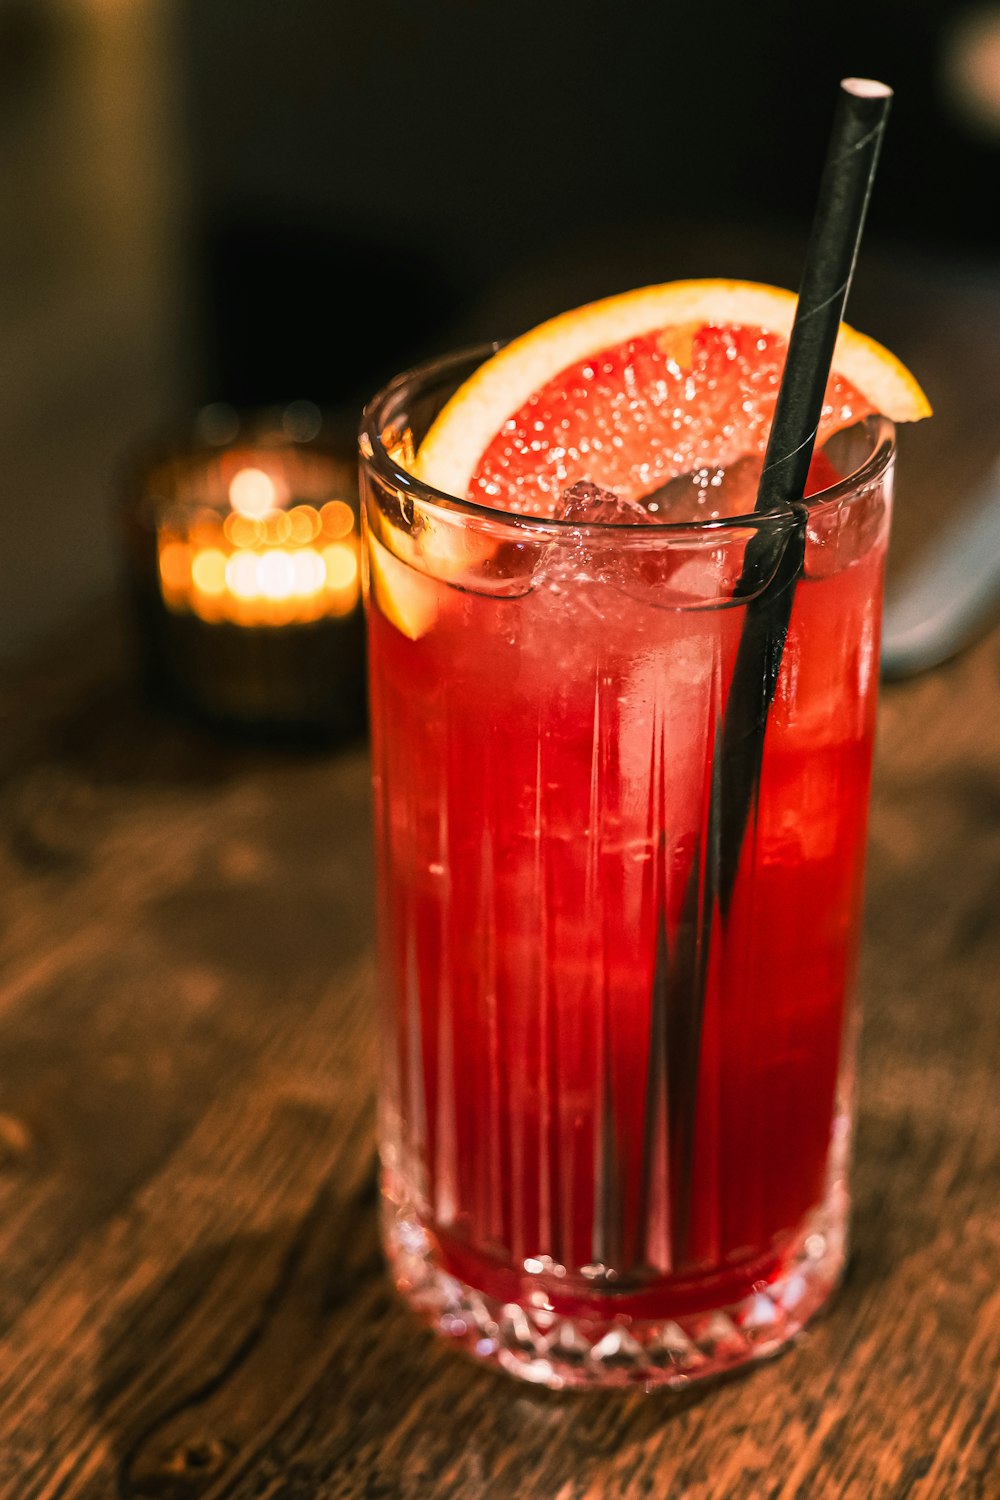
(192, 1300)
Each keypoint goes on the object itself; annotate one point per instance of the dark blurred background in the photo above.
(252, 201)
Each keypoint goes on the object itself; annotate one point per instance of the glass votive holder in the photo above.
(244, 557)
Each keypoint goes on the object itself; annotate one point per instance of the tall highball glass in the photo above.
(616, 1102)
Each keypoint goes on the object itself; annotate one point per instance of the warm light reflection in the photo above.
(310, 572)
(337, 519)
(241, 531)
(208, 571)
(241, 575)
(263, 569)
(304, 523)
(341, 565)
(276, 528)
(252, 493)
(175, 567)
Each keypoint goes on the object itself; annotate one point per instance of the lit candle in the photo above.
(273, 567)
(257, 551)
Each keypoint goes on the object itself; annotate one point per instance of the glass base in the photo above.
(546, 1348)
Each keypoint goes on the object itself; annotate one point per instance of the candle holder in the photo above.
(244, 549)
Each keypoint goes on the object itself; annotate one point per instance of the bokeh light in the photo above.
(252, 493)
(337, 518)
(278, 567)
(208, 571)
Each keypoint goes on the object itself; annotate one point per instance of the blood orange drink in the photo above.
(616, 1104)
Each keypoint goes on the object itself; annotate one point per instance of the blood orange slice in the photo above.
(634, 391)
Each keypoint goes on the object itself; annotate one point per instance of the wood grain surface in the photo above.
(192, 1300)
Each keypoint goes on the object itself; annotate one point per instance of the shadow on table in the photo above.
(286, 1357)
(199, 1370)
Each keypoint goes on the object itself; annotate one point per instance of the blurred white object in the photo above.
(952, 593)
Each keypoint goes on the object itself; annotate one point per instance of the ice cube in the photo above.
(707, 494)
(704, 494)
(669, 575)
(678, 572)
(573, 557)
(585, 504)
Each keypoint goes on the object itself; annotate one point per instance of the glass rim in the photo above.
(374, 453)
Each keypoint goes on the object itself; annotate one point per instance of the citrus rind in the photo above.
(462, 431)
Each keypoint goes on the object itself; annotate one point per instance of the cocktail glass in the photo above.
(615, 1111)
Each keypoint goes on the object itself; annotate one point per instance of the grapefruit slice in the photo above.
(637, 389)
(404, 594)
(667, 383)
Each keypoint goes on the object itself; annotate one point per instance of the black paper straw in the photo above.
(773, 555)
(845, 187)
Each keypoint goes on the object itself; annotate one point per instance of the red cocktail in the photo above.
(614, 1117)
